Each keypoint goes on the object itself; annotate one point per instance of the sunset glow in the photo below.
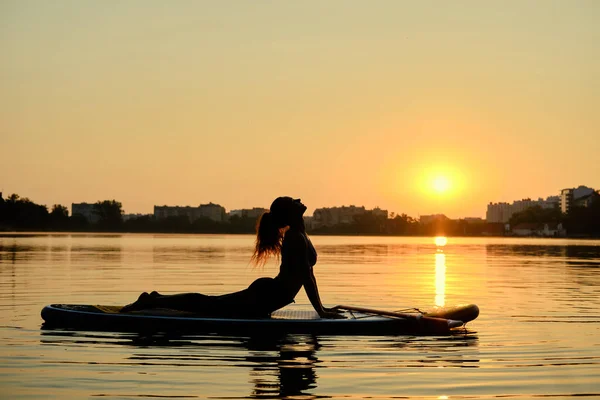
(391, 106)
(441, 184)
(241, 199)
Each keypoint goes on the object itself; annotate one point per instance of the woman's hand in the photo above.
(332, 313)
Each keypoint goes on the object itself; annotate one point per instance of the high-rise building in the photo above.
(498, 212)
(568, 196)
(566, 199)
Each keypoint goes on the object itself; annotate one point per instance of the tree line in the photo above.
(579, 221)
(21, 214)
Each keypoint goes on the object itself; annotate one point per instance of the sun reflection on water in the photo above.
(441, 241)
(440, 271)
(440, 279)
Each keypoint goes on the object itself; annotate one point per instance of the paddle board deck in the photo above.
(287, 320)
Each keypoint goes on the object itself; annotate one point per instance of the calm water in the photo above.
(538, 334)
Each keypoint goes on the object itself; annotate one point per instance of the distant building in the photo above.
(501, 212)
(308, 222)
(234, 213)
(331, 216)
(534, 229)
(569, 196)
(252, 213)
(552, 202)
(162, 212)
(498, 212)
(525, 229)
(85, 210)
(132, 216)
(566, 200)
(473, 220)
(378, 212)
(587, 200)
(211, 211)
(428, 219)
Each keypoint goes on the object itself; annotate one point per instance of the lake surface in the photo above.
(538, 334)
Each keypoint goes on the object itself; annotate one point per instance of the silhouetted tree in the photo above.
(59, 217)
(180, 224)
(207, 225)
(238, 224)
(23, 214)
(401, 224)
(145, 223)
(584, 221)
(110, 214)
(78, 222)
(536, 214)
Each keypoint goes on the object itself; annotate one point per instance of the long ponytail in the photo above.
(269, 238)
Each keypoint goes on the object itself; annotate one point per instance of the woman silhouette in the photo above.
(280, 232)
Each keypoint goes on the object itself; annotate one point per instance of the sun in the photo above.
(441, 184)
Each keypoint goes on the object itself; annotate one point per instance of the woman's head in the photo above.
(284, 212)
(287, 211)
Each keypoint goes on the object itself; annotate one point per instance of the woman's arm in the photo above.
(312, 291)
(309, 281)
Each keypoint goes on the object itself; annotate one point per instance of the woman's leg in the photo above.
(255, 301)
(192, 302)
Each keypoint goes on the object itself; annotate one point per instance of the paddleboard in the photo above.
(287, 320)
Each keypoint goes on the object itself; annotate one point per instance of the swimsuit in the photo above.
(264, 295)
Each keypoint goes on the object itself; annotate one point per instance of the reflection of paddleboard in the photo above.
(288, 320)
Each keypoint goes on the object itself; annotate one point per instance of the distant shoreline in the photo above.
(116, 233)
(22, 215)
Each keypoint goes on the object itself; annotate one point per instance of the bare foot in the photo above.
(143, 302)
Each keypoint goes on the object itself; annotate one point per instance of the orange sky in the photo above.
(339, 103)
